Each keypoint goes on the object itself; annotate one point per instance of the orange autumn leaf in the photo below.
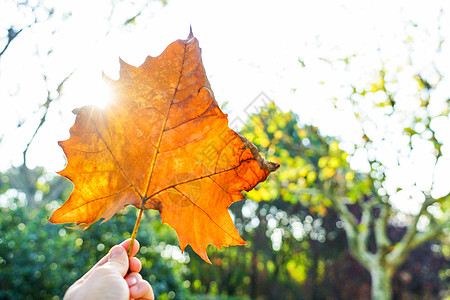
(162, 143)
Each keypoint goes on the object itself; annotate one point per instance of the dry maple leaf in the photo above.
(161, 143)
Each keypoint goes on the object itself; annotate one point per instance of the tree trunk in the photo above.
(381, 282)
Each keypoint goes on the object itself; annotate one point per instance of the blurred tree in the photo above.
(296, 192)
(401, 110)
(297, 245)
(286, 254)
(325, 179)
(404, 140)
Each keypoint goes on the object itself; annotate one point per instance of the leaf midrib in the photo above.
(158, 145)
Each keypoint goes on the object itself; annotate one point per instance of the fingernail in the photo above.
(132, 281)
(117, 251)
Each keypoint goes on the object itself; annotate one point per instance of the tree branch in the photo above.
(12, 34)
(344, 212)
(356, 239)
(364, 227)
(380, 225)
(412, 238)
(46, 105)
(424, 237)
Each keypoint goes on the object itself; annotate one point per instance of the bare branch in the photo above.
(344, 212)
(433, 232)
(380, 225)
(356, 239)
(46, 105)
(412, 238)
(12, 34)
(364, 228)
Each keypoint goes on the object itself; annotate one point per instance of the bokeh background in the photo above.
(351, 97)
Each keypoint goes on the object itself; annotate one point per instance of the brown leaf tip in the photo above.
(262, 162)
(191, 35)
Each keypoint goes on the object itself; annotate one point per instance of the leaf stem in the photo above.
(135, 230)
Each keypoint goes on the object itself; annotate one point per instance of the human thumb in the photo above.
(118, 260)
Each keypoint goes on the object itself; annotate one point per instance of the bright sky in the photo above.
(249, 47)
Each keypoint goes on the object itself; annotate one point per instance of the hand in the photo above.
(108, 279)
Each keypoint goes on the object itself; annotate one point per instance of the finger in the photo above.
(125, 244)
(142, 290)
(135, 249)
(135, 265)
(100, 263)
(133, 278)
(118, 260)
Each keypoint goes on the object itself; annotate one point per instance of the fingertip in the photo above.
(142, 290)
(116, 251)
(126, 245)
(136, 247)
(117, 260)
(133, 278)
(135, 264)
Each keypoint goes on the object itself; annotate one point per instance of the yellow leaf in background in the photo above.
(349, 176)
(329, 172)
(323, 161)
(302, 133)
(265, 143)
(311, 177)
(278, 134)
(321, 210)
(334, 146)
(334, 162)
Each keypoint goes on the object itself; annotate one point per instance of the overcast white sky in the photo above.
(249, 47)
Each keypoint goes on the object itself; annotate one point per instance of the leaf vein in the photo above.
(199, 178)
(115, 160)
(201, 209)
(96, 199)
